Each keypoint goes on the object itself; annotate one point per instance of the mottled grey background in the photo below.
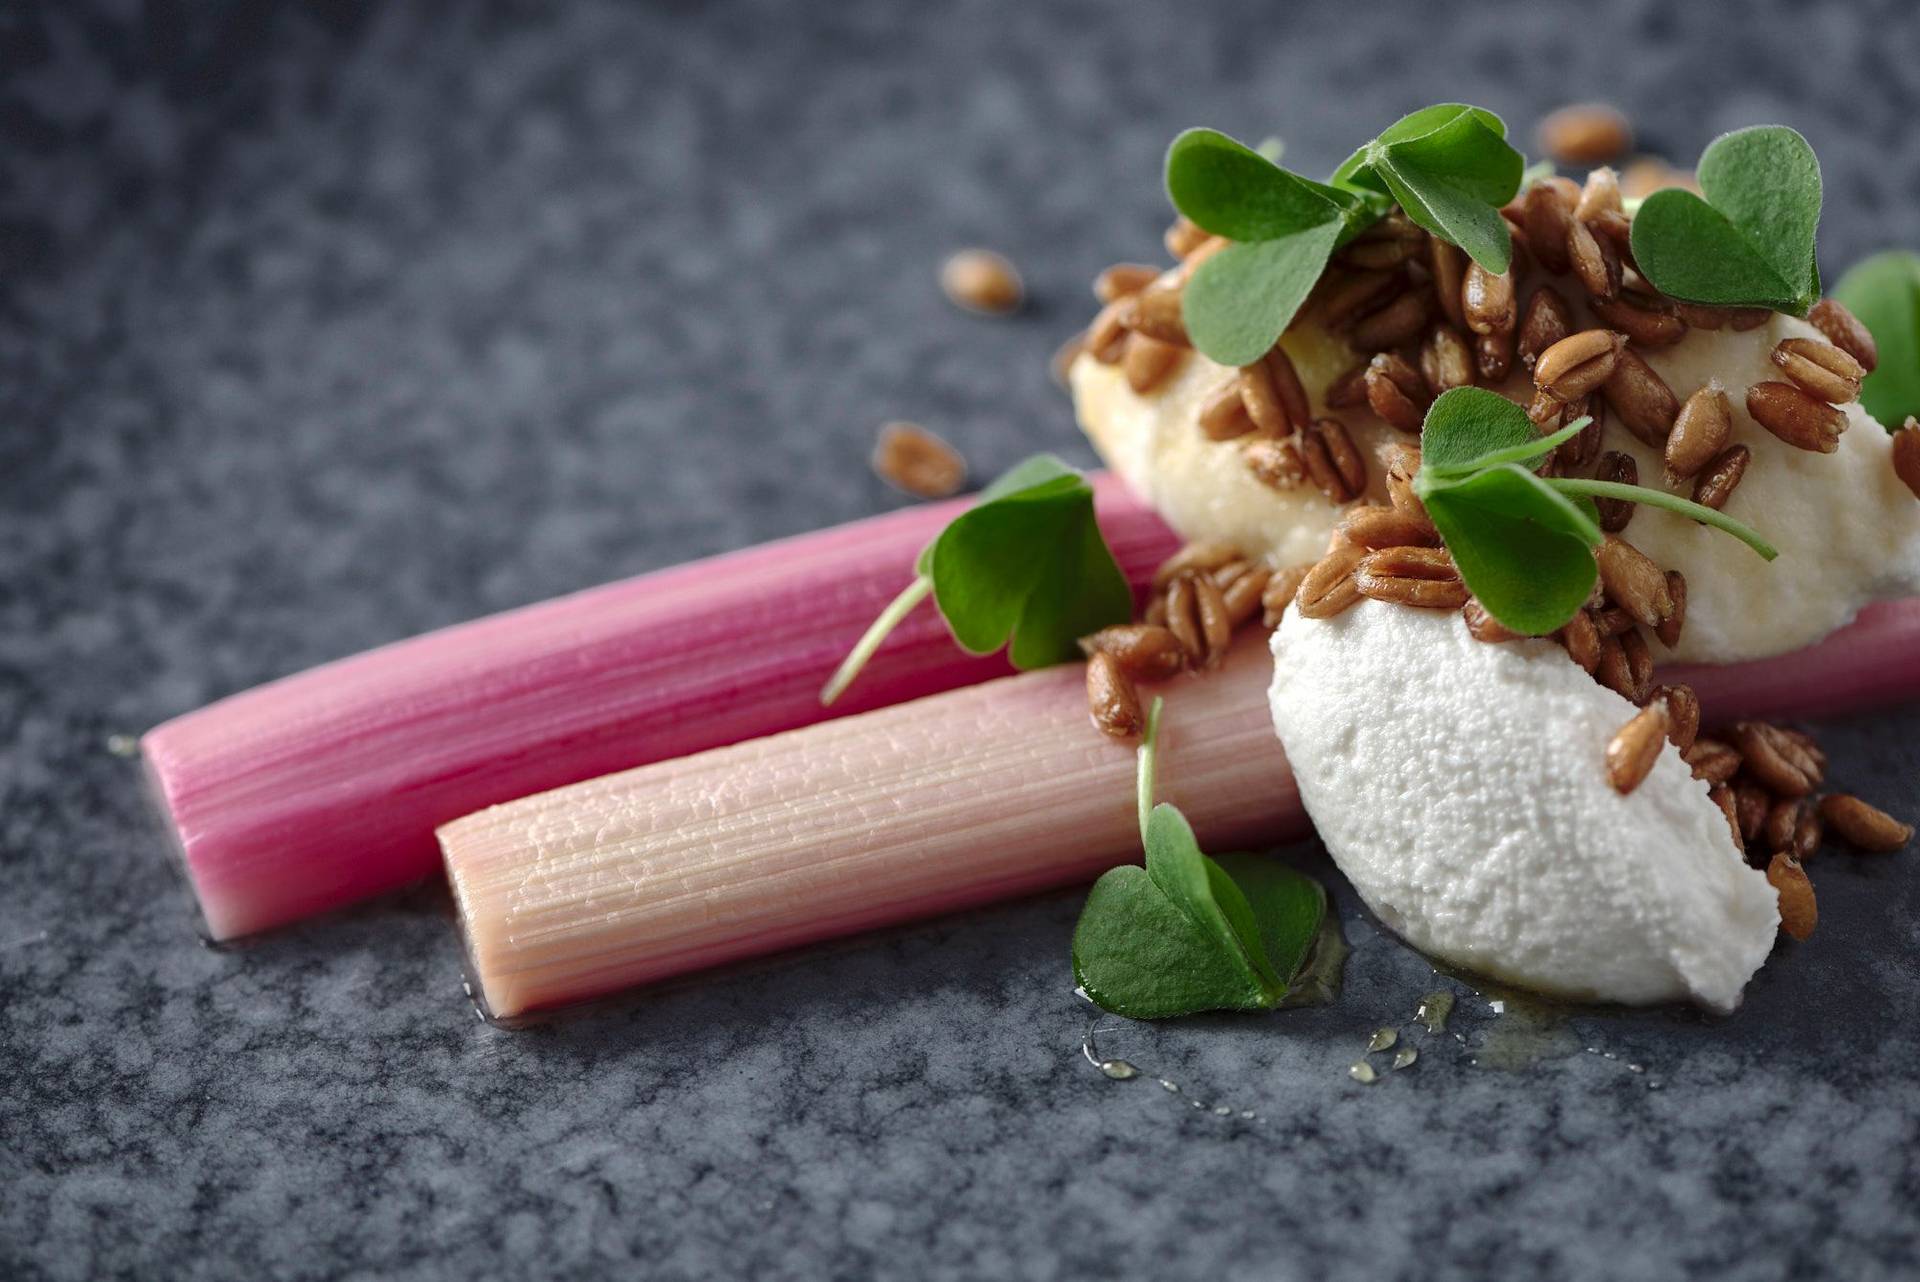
(324, 324)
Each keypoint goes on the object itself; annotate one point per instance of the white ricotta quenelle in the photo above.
(1847, 529)
(1462, 788)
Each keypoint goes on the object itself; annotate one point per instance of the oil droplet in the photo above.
(1382, 1039)
(1171, 1088)
(1247, 1116)
(1221, 1110)
(1119, 1070)
(1404, 1057)
(1433, 1011)
(123, 745)
(1362, 1072)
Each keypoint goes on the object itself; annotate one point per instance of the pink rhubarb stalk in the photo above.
(324, 788)
(927, 807)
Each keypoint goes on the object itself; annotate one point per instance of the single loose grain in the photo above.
(918, 462)
(1722, 476)
(1843, 329)
(1111, 698)
(1819, 369)
(1863, 826)
(1635, 747)
(1797, 418)
(1700, 432)
(1587, 133)
(982, 281)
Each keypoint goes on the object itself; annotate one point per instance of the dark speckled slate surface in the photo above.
(322, 325)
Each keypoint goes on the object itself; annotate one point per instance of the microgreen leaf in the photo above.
(1453, 181)
(1750, 242)
(1233, 191)
(1026, 567)
(1451, 168)
(1884, 292)
(1242, 299)
(1522, 550)
(1523, 543)
(1187, 933)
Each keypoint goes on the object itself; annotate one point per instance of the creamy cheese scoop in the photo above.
(1462, 788)
(1848, 530)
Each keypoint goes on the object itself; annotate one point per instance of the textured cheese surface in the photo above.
(1462, 788)
(1847, 529)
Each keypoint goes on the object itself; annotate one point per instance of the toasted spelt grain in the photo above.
(1156, 313)
(1388, 243)
(1148, 362)
(1271, 390)
(1278, 465)
(1547, 320)
(1635, 747)
(1776, 758)
(1577, 364)
(1700, 432)
(1819, 369)
(1107, 335)
(1328, 588)
(1374, 526)
(1595, 261)
(1616, 513)
(1446, 359)
(1183, 237)
(1548, 216)
(1670, 627)
(1633, 581)
(1799, 914)
(1111, 699)
(1400, 463)
(1683, 713)
(1642, 399)
(1863, 826)
(1281, 589)
(1843, 329)
(1487, 300)
(1397, 392)
(1482, 626)
(1751, 803)
(1214, 616)
(1447, 264)
(1721, 795)
(1493, 355)
(1333, 462)
(1600, 194)
(1712, 760)
(1614, 671)
(1586, 133)
(1144, 651)
(1906, 454)
(1398, 322)
(982, 281)
(1123, 279)
(1795, 417)
(1223, 413)
(1183, 617)
(1342, 298)
(1423, 577)
(1201, 556)
(912, 459)
(1349, 389)
(1614, 227)
(1645, 319)
(1718, 481)
(1583, 641)
(1244, 594)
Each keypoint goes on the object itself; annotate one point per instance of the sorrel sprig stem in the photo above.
(1671, 502)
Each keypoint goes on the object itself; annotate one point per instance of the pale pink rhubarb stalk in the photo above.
(931, 806)
(924, 807)
(325, 788)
